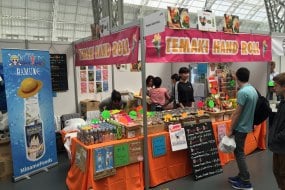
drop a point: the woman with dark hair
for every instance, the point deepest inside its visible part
(174, 79)
(149, 84)
(158, 95)
(184, 93)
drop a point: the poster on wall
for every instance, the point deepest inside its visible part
(178, 18)
(231, 23)
(30, 110)
(93, 79)
(206, 21)
(104, 26)
(136, 67)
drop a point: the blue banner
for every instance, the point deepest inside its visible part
(30, 110)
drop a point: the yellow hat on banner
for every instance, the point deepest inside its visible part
(29, 87)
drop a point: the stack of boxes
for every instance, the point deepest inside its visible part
(88, 105)
(5, 161)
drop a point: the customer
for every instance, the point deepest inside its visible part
(242, 121)
(112, 103)
(276, 137)
(158, 95)
(184, 93)
(272, 74)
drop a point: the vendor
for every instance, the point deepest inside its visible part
(112, 103)
(184, 92)
(149, 84)
(158, 95)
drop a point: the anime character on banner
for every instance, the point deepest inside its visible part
(33, 124)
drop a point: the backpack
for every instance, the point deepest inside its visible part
(262, 109)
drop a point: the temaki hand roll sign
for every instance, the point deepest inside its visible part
(30, 110)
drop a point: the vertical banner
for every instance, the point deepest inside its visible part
(30, 110)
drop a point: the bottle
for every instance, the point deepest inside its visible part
(35, 146)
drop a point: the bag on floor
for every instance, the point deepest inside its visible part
(262, 109)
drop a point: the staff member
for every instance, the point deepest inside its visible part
(114, 102)
(184, 92)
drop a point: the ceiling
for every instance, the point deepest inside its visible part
(69, 20)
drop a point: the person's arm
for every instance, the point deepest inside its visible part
(167, 94)
(103, 104)
(176, 94)
(193, 100)
(234, 118)
(280, 137)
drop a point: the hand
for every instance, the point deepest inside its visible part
(230, 133)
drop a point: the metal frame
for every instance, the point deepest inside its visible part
(276, 15)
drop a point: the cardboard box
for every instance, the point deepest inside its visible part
(88, 105)
(5, 162)
(132, 130)
(5, 150)
(157, 128)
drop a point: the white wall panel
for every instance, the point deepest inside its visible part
(64, 102)
(258, 74)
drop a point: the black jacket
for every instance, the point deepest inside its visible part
(276, 136)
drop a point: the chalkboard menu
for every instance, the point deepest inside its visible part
(58, 72)
(203, 149)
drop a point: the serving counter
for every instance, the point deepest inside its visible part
(169, 166)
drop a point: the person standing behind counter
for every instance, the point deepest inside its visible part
(149, 84)
(114, 102)
(184, 92)
(158, 95)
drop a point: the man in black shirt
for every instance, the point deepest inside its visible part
(184, 93)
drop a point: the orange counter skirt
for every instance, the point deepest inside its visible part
(255, 139)
(128, 177)
(168, 167)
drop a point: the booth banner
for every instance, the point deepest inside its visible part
(30, 110)
(198, 46)
(278, 45)
(118, 48)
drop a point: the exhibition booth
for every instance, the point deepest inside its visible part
(133, 168)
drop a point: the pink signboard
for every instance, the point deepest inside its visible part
(198, 46)
(117, 48)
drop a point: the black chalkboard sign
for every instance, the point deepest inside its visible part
(203, 149)
(58, 72)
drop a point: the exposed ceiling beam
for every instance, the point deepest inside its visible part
(1, 19)
(54, 19)
(26, 21)
(74, 26)
(209, 4)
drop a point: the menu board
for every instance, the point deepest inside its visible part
(58, 72)
(203, 149)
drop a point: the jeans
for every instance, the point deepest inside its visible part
(240, 157)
